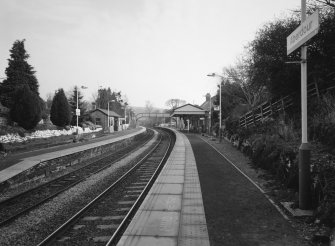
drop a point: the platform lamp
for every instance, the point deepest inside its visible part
(125, 116)
(108, 120)
(77, 109)
(210, 109)
(220, 114)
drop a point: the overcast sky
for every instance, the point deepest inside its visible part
(148, 49)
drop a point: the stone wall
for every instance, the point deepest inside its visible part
(49, 168)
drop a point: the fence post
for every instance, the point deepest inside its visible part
(283, 106)
(271, 110)
(317, 90)
(253, 117)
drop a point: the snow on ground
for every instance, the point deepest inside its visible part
(13, 138)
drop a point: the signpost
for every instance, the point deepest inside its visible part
(303, 33)
(308, 28)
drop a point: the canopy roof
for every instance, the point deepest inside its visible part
(188, 109)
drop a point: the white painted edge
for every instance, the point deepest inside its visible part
(247, 177)
(32, 161)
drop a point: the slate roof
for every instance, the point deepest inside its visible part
(105, 111)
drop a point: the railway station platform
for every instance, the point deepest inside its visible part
(21, 162)
(173, 211)
(202, 198)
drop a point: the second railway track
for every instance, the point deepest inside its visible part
(13, 207)
(102, 221)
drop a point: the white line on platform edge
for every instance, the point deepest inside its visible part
(246, 176)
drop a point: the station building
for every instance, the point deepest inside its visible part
(100, 117)
(191, 118)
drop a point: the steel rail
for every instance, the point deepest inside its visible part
(139, 200)
(50, 239)
(26, 210)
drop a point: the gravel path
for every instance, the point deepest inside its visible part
(237, 213)
(34, 227)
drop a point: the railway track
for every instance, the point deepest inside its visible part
(16, 206)
(103, 220)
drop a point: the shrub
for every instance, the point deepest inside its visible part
(60, 113)
(324, 188)
(26, 110)
(45, 126)
(322, 121)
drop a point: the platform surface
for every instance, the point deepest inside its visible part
(28, 162)
(173, 212)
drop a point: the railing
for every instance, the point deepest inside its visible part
(265, 111)
(269, 108)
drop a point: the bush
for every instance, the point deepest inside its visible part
(324, 132)
(269, 151)
(45, 126)
(324, 188)
(322, 120)
(60, 113)
(89, 124)
(26, 110)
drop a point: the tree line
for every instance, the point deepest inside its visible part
(19, 92)
(264, 71)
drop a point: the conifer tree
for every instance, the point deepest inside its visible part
(18, 73)
(60, 112)
(73, 105)
(27, 108)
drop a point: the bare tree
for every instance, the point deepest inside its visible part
(241, 75)
(174, 103)
(330, 3)
(149, 106)
(95, 96)
(49, 99)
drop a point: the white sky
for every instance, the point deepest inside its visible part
(148, 49)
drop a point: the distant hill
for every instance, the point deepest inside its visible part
(139, 110)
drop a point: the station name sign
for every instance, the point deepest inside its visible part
(303, 33)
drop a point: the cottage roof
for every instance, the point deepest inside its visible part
(105, 111)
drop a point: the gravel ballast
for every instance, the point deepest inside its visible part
(35, 226)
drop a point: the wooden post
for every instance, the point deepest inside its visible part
(283, 106)
(271, 110)
(317, 90)
(253, 117)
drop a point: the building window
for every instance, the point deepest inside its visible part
(98, 121)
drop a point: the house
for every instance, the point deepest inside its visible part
(100, 117)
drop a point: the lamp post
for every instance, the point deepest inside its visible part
(77, 109)
(125, 115)
(209, 112)
(220, 114)
(108, 120)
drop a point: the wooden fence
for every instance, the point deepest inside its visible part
(269, 108)
(265, 111)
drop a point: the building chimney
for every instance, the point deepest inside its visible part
(208, 97)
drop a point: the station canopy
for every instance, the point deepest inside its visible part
(188, 110)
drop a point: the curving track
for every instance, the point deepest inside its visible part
(24, 202)
(102, 221)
